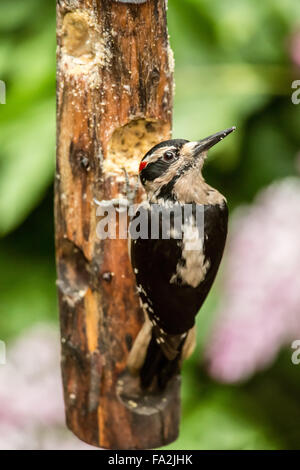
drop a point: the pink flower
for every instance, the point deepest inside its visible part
(32, 409)
(260, 308)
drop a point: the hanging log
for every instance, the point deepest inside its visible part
(114, 102)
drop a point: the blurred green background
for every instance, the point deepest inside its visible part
(234, 66)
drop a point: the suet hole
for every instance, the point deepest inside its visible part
(84, 46)
(152, 402)
(129, 144)
(76, 35)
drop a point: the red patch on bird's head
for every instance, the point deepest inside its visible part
(142, 166)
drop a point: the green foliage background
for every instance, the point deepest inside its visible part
(232, 68)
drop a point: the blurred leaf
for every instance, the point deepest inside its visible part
(28, 293)
(208, 114)
(34, 59)
(14, 14)
(261, 414)
(27, 121)
(26, 162)
(18, 14)
(6, 48)
(212, 419)
(269, 149)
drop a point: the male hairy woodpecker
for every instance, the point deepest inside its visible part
(174, 273)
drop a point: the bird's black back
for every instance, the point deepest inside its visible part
(173, 306)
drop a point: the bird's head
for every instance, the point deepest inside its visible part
(167, 162)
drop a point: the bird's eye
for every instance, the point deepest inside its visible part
(169, 156)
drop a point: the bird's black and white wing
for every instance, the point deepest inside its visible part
(173, 283)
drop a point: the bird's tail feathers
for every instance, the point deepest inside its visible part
(158, 356)
(158, 366)
(138, 351)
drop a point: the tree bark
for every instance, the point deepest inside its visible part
(114, 102)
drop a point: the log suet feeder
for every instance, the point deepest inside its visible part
(114, 102)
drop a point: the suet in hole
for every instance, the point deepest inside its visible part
(84, 46)
(129, 144)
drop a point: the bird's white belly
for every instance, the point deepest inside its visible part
(195, 267)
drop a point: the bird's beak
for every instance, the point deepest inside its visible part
(205, 144)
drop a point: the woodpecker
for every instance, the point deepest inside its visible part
(174, 273)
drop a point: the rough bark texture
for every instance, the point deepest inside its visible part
(114, 101)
